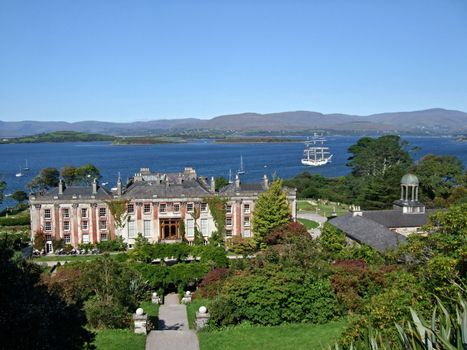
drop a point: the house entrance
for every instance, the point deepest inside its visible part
(170, 229)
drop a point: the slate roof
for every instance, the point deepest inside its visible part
(395, 218)
(150, 189)
(245, 188)
(365, 230)
(79, 192)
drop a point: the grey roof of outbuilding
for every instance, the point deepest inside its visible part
(365, 230)
(396, 218)
(80, 192)
(148, 189)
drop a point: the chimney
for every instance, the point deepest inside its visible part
(355, 210)
(237, 181)
(213, 184)
(119, 185)
(265, 181)
(94, 186)
(60, 187)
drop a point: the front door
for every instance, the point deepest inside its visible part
(170, 229)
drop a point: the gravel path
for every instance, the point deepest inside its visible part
(316, 232)
(173, 331)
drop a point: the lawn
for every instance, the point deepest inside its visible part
(286, 337)
(309, 224)
(116, 339)
(192, 308)
(322, 209)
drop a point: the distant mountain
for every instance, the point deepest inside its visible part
(431, 121)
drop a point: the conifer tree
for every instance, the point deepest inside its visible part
(271, 211)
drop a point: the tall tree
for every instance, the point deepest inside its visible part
(271, 211)
(86, 174)
(438, 176)
(19, 196)
(69, 174)
(374, 157)
(377, 167)
(29, 309)
(47, 178)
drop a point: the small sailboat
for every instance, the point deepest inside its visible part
(241, 171)
(26, 168)
(315, 153)
(19, 174)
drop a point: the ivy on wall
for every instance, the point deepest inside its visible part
(217, 208)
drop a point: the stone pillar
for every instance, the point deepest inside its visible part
(75, 218)
(155, 299)
(140, 320)
(238, 219)
(202, 318)
(186, 298)
(94, 218)
(57, 227)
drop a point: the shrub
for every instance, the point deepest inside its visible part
(240, 245)
(214, 256)
(106, 314)
(19, 221)
(271, 297)
(115, 245)
(287, 232)
(212, 283)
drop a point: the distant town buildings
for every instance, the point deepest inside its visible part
(160, 206)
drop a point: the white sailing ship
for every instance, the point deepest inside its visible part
(315, 153)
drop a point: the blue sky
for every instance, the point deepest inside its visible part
(142, 60)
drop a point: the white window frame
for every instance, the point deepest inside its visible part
(163, 208)
(67, 238)
(147, 206)
(190, 207)
(190, 227)
(65, 224)
(66, 213)
(85, 211)
(47, 213)
(131, 208)
(204, 207)
(131, 229)
(246, 208)
(102, 209)
(176, 207)
(104, 226)
(204, 227)
(48, 226)
(147, 229)
(84, 225)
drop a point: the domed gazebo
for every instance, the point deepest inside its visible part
(409, 187)
(409, 195)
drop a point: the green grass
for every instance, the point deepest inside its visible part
(192, 308)
(286, 337)
(309, 224)
(116, 339)
(322, 209)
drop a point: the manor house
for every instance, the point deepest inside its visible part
(160, 206)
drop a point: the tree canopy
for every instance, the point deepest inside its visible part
(271, 211)
(83, 175)
(46, 179)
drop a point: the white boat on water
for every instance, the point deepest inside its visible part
(241, 171)
(315, 153)
(19, 174)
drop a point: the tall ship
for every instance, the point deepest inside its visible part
(315, 153)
